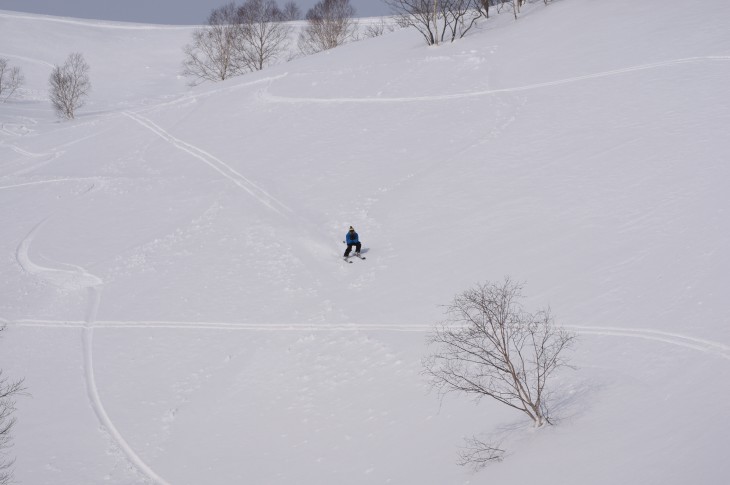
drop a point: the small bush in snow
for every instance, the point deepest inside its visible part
(378, 29)
(11, 78)
(8, 391)
(477, 453)
(69, 85)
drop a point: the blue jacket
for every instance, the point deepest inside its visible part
(352, 238)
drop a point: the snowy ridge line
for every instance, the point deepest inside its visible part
(104, 24)
(215, 163)
(78, 279)
(703, 345)
(446, 97)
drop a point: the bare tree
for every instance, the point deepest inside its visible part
(417, 14)
(437, 19)
(69, 85)
(459, 16)
(264, 35)
(491, 347)
(8, 390)
(215, 54)
(11, 78)
(330, 23)
(292, 11)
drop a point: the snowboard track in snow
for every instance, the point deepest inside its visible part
(702, 345)
(77, 279)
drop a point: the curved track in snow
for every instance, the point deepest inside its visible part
(77, 279)
(528, 87)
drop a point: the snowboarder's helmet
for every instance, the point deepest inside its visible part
(352, 228)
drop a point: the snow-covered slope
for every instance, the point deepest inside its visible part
(171, 275)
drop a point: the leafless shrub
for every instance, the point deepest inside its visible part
(264, 35)
(330, 23)
(514, 5)
(8, 391)
(483, 6)
(420, 14)
(292, 11)
(11, 78)
(381, 27)
(69, 85)
(477, 454)
(491, 347)
(215, 54)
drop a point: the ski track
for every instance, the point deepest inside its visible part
(52, 181)
(75, 279)
(44, 158)
(192, 98)
(702, 345)
(26, 153)
(27, 59)
(284, 99)
(215, 163)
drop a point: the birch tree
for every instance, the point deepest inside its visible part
(264, 33)
(491, 347)
(330, 23)
(69, 86)
(215, 53)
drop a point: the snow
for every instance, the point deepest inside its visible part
(172, 283)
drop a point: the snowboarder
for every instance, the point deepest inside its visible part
(352, 239)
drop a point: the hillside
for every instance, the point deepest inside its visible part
(172, 281)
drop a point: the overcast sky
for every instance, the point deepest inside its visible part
(156, 11)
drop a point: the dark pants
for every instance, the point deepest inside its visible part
(349, 248)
